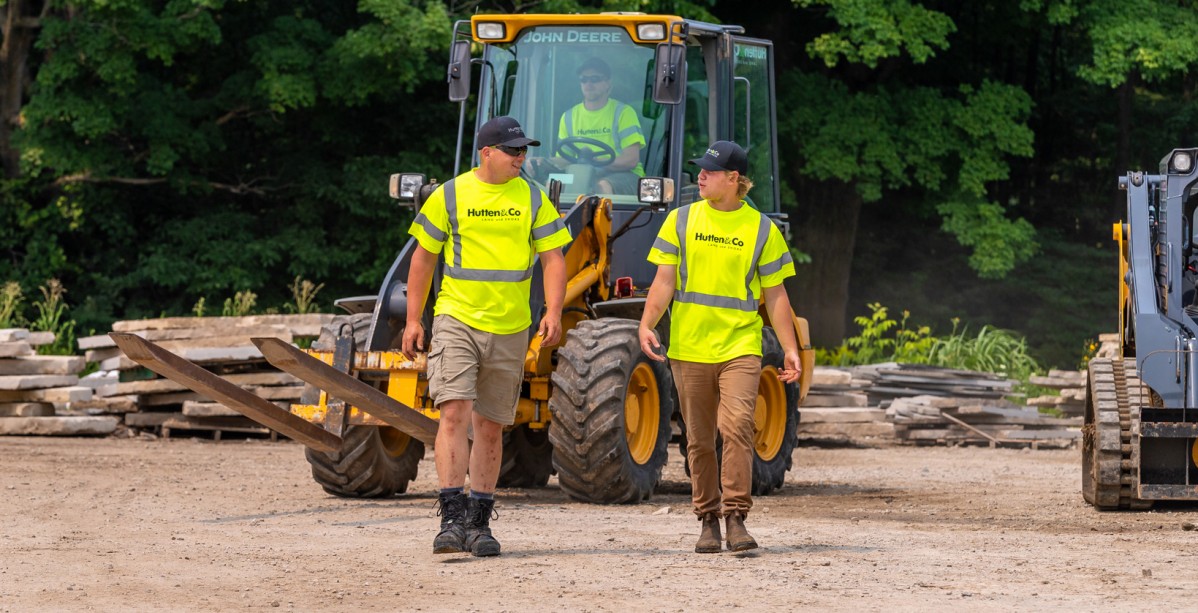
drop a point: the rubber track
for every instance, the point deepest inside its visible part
(1117, 395)
(590, 451)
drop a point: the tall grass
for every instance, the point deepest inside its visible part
(990, 350)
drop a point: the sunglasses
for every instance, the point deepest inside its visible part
(512, 151)
(594, 78)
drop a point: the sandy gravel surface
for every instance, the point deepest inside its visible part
(116, 525)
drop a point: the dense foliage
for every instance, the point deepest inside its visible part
(958, 159)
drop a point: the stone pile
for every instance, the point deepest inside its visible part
(221, 345)
(37, 391)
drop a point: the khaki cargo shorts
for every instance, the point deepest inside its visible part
(469, 364)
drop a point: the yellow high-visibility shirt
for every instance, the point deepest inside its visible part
(490, 236)
(725, 261)
(614, 125)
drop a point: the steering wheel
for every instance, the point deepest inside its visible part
(571, 150)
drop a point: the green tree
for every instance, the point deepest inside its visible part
(871, 120)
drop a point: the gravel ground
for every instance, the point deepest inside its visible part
(106, 524)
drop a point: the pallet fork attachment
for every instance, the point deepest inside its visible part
(204, 382)
(396, 414)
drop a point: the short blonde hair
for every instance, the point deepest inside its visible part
(743, 185)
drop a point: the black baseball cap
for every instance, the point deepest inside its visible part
(724, 155)
(597, 65)
(503, 130)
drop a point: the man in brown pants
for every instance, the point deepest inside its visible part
(715, 332)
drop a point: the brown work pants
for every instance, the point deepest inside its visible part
(719, 398)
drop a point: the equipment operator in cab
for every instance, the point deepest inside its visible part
(715, 259)
(612, 123)
(491, 225)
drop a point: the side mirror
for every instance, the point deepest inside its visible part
(669, 86)
(459, 71)
(657, 192)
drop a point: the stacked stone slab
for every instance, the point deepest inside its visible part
(1070, 399)
(219, 344)
(36, 389)
(837, 410)
(931, 420)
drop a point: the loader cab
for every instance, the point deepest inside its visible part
(529, 68)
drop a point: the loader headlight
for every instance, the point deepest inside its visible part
(491, 30)
(657, 191)
(651, 31)
(405, 187)
(1183, 161)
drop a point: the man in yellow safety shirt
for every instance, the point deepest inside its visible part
(715, 259)
(610, 122)
(491, 225)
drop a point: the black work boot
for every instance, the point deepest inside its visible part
(739, 538)
(709, 535)
(452, 537)
(478, 528)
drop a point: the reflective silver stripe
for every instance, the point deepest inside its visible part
(628, 132)
(570, 122)
(482, 274)
(451, 209)
(615, 127)
(680, 226)
(775, 266)
(723, 302)
(534, 200)
(763, 232)
(664, 246)
(548, 229)
(432, 230)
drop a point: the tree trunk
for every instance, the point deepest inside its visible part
(20, 20)
(825, 229)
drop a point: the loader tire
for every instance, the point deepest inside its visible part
(374, 462)
(611, 409)
(775, 422)
(527, 458)
(1114, 397)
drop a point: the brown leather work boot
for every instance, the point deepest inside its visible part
(709, 537)
(739, 538)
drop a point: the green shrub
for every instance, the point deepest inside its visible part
(240, 305)
(881, 339)
(10, 305)
(52, 310)
(990, 350)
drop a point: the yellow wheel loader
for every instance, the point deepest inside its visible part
(593, 409)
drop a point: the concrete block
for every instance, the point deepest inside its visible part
(59, 426)
(100, 341)
(38, 339)
(43, 365)
(26, 409)
(8, 335)
(56, 395)
(28, 382)
(15, 349)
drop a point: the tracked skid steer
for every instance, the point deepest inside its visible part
(1140, 437)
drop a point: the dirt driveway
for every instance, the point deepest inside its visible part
(191, 525)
